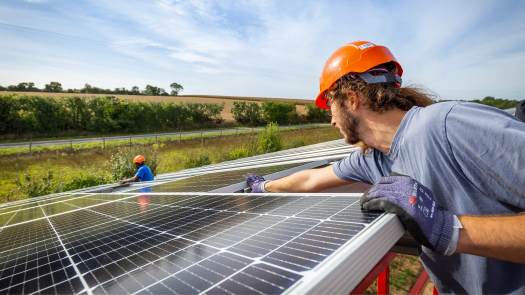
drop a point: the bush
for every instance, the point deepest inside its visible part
(121, 163)
(204, 112)
(198, 161)
(270, 140)
(246, 112)
(317, 114)
(277, 112)
(34, 185)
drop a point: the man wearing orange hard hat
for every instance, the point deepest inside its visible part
(143, 171)
(452, 172)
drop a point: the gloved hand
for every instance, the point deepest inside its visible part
(257, 182)
(414, 204)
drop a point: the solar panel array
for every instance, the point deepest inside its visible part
(176, 241)
(186, 244)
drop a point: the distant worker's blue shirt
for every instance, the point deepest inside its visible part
(472, 157)
(144, 173)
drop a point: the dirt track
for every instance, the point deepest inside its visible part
(228, 100)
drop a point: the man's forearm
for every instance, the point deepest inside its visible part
(306, 181)
(498, 237)
(295, 183)
(132, 179)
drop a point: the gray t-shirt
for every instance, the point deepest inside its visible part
(472, 157)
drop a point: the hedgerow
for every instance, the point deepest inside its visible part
(43, 115)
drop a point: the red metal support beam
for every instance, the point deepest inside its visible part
(383, 282)
(435, 291)
(420, 283)
(375, 273)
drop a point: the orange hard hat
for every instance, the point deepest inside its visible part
(355, 57)
(139, 159)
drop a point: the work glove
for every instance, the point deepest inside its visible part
(257, 182)
(415, 205)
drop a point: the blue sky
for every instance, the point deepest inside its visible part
(458, 49)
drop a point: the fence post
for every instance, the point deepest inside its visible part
(237, 130)
(155, 137)
(30, 144)
(180, 135)
(289, 126)
(221, 131)
(309, 125)
(252, 129)
(103, 142)
(130, 140)
(201, 134)
(71, 143)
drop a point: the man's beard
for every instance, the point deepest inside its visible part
(349, 126)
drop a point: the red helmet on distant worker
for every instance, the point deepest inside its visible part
(356, 57)
(139, 159)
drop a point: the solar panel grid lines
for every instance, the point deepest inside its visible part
(99, 269)
(345, 269)
(5, 218)
(31, 206)
(24, 219)
(84, 283)
(35, 265)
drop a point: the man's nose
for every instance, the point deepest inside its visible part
(333, 121)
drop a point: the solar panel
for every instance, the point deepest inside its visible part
(213, 181)
(176, 242)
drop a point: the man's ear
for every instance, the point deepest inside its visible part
(353, 100)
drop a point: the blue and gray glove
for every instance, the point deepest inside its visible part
(415, 205)
(257, 182)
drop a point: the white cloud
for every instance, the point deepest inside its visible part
(210, 70)
(192, 57)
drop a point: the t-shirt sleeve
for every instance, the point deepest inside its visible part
(367, 169)
(141, 172)
(489, 145)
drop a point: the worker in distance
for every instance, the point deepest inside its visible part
(453, 171)
(143, 171)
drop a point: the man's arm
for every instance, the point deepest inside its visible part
(307, 181)
(132, 179)
(498, 237)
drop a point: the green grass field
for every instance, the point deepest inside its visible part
(66, 164)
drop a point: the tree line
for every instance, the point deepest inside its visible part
(89, 89)
(499, 103)
(48, 116)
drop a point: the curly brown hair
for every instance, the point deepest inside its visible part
(380, 97)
